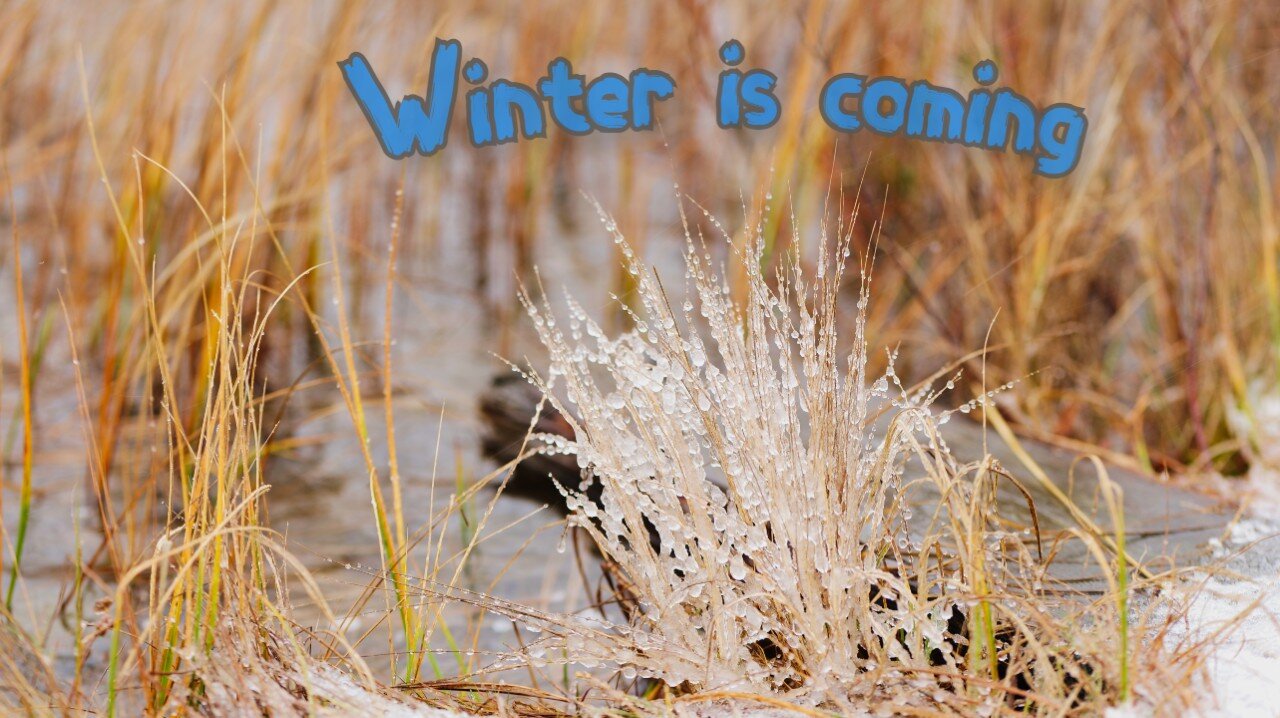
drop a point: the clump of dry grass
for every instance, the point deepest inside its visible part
(761, 529)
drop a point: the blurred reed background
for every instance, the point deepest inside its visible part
(1138, 297)
(171, 169)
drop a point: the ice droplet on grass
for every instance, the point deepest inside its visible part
(742, 496)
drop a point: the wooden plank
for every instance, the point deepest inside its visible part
(1165, 525)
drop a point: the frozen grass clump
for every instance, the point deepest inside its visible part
(760, 530)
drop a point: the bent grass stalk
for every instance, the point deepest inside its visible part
(347, 380)
(1113, 498)
(28, 430)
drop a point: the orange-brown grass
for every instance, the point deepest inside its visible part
(1139, 297)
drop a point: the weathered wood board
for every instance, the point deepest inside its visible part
(1165, 526)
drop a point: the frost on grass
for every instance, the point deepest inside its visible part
(758, 527)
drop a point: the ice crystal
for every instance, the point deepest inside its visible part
(747, 501)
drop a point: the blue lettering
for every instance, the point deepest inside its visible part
(831, 102)
(412, 122)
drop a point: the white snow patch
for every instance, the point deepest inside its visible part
(1262, 490)
(345, 696)
(1127, 710)
(1237, 621)
(1259, 430)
